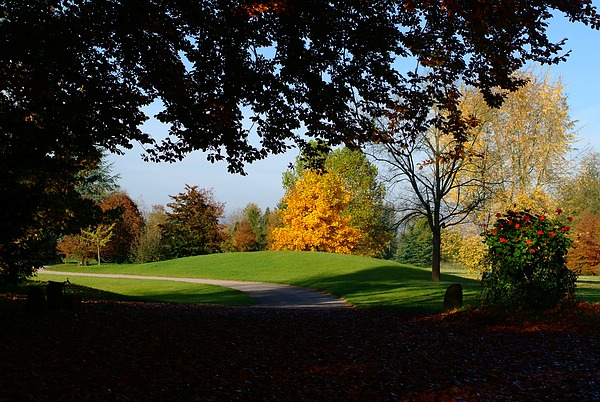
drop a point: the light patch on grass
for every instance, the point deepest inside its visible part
(161, 291)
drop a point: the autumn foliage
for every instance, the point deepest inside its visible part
(584, 257)
(244, 238)
(75, 247)
(122, 212)
(314, 218)
(88, 244)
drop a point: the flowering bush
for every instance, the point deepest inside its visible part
(527, 259)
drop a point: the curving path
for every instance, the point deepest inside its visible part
(265, 295)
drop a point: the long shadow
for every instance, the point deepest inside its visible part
(390, 286)
(225, 297)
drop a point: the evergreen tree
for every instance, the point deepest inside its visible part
(416, 244)
(193, 228)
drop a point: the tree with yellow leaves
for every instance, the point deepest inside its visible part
(526, 144)
(98, 237)
(367, 207)
(525, 147)
(314, 218)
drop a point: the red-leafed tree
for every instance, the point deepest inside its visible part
(76, 247)
(584, 256)
(122, 212)
(244, 238)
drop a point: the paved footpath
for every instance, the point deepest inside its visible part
(264, 295)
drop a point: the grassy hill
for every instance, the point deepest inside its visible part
(364, 282)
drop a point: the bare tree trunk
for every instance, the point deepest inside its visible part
(436, 258)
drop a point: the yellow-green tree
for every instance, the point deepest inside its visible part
(580, 193)
(526, 144)
(98, 237)
(367, 205)
(314, 217)
(88, 242)
(149, 246)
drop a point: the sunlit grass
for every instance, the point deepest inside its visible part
(588, 289)
(364, 282)
(152, 290)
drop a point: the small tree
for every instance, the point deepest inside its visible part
(527, 260)
(98, 237)
(75, 247)
(246, 229)
(149, 245)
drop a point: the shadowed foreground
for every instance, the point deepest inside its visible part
(157, 352)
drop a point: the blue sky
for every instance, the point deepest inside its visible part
(152, 183)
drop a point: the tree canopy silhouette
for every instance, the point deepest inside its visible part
(79, 73)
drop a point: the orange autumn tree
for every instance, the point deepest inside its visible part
(314, 219)
(584, 257)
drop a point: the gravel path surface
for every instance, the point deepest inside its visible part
(265, 295)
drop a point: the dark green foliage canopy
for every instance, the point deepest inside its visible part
(416, 244)
(192, 228)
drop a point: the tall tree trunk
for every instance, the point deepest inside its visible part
(436, 258)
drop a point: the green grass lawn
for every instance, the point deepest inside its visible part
(588, 289)
(364, 282)
(152, 290)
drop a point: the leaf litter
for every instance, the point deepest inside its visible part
(131, 351)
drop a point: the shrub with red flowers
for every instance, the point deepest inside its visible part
(527, 261)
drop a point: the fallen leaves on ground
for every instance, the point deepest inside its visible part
(157, 352)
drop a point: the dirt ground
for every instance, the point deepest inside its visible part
(167, 352)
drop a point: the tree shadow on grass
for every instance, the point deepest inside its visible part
(405, 288)
(221, 297)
